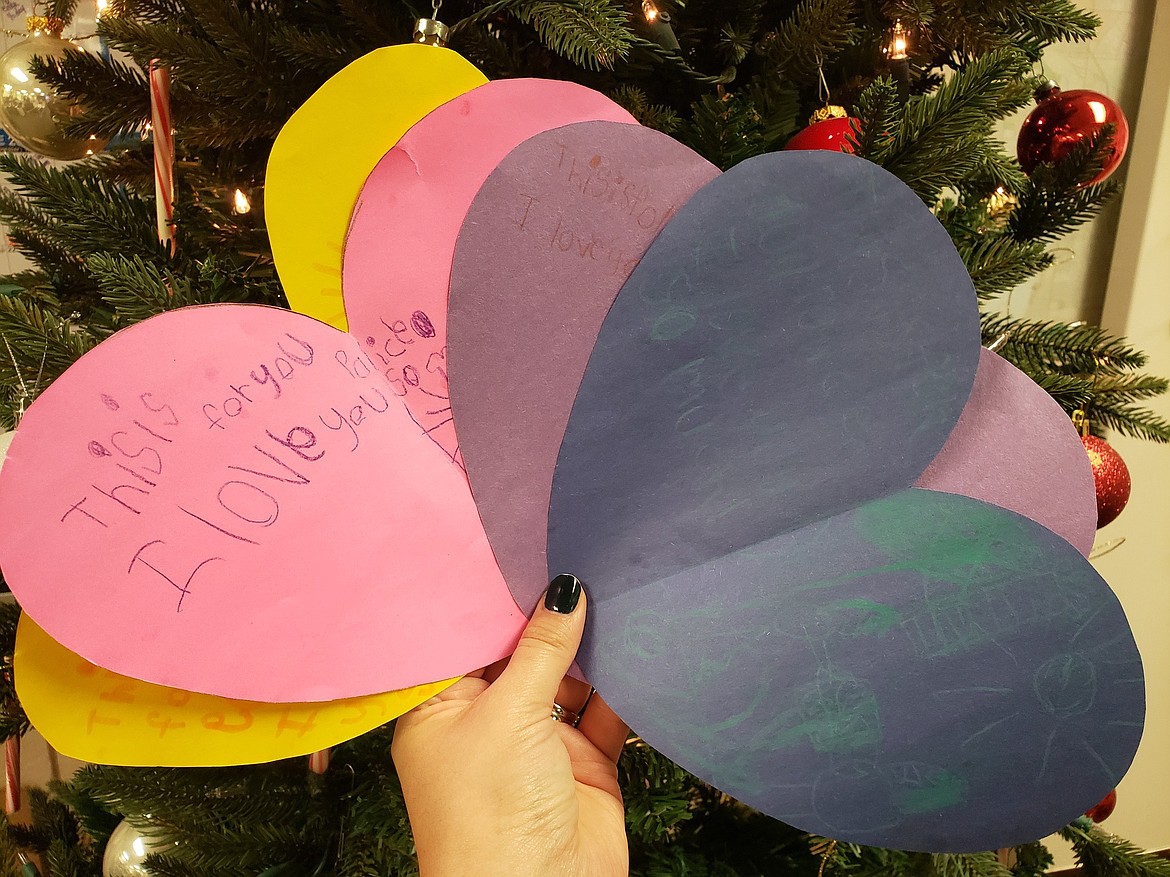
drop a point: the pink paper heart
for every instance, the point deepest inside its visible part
(407, 219)
(1014, 447)
(231, 499)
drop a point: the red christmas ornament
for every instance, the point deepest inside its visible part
(1101, 810)
(829, 128)
(1062, 119)
(1110, 476)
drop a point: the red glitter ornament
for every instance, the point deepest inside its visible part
(1062, 119)
(1101, 810)
(1111, 477)
(830, 128)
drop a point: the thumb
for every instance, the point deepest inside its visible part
(546, 649)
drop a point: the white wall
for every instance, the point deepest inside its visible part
(1137, 304)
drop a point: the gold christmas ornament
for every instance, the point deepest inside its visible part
(431, 32)
(45, 23)
(828, 111)
(31, 112)
(1000, 205)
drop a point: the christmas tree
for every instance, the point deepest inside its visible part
(922, 84)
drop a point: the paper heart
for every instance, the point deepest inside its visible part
(97, 715)
(589, 198)
(784, 362)
(547, 243)
(773, 604)
(925, 672)
(434, 194)
(231, 500)
(369, 103)
(1014, 447)
(407, 219)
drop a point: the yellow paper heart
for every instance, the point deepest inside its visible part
(101, 716)
(324, 153)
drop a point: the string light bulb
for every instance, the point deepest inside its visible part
(899, 45)
(658, 25)
(240, 202)
(102, 6)
(897, 52)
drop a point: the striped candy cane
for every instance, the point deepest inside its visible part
(319, 761)
(12, 774)
(164, 152)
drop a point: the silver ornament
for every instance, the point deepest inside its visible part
(125, 852)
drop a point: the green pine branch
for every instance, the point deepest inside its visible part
(54, 830)
(590, 33)
(1032, 860)
(650, 784)
(322, 52)
(13, 720)
(1061, 197)
(152, 11)
(90, 215)
(138, 290)
(9, 856)
(95, 823)
(634, 100)
(940, 138)
(737, 38)
(1070, 391)
(725, 131)
(811, 37)
(994, 169)
(1051, 21)
(1100, 853)
(231, 85)
(1083, 366)
(1123, 389)
(878, 112)
(497, 54)
(35, 349)
(962, 865)
(1048, 214)
(998, 264)
(62, 9)
(1046, 345)
(777, 101)
(114, 95)
(377, 24)
(45, 243)
(1127, 419)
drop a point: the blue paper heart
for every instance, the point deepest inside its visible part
(773, 607)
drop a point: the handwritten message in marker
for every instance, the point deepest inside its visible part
(101, 716)
(233, 500)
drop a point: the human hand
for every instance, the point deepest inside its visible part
(495, 787)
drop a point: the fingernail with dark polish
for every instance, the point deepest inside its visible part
(564, 592)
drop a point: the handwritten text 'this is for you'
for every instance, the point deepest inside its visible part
(242, 500)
